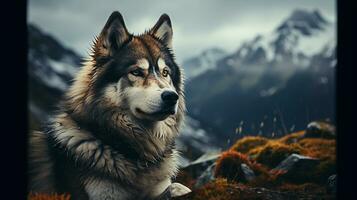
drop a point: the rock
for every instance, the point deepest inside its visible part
(295, 167)
(317, 129)
(177, 189)
(331, 186)
(206, 176)
(248, 173)
(207, 157)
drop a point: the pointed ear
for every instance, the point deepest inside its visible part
(113, 35)
(163, 30)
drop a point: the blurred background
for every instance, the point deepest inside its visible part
(256, 67)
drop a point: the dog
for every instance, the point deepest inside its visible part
(113, 134)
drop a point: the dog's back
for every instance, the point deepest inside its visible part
(49, 170)
(41, 174)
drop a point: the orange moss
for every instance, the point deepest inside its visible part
(305, 188)
(216, 190)
(272, 153)
(229, 166)
(221, 189)
(276, 150)
(261, 154)
(322, 149)
(229, 163)
(292, 138)
(247, 143)
(42, 196)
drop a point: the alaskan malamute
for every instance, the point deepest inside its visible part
(113, 136)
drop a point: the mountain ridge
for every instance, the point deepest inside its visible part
(247, 82)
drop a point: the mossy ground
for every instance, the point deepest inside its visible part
(263, 154)
(222, 189)
(247, 143)
(229, 166)
(39, 196)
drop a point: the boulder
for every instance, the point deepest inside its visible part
(317, 129)
(206, 176)
(248, 172)
(295, 167)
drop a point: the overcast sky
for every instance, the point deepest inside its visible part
(197, 24)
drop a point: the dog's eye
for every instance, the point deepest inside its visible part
(165, 73)
(136, 72)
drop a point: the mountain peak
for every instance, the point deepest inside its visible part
(300, 14)
(304, 21)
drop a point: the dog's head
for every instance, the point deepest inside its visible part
(136, 73)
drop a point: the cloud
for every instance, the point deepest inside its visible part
(198, 24)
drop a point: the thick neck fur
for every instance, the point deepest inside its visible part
(89, 123)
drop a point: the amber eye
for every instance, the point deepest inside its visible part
(165, 72)
(137, 72)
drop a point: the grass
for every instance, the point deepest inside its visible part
(41, 196)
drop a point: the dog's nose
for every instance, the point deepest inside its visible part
(169, 97)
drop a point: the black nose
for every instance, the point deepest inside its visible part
(169, 97)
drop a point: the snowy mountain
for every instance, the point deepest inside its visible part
(203, 62)
(272, 83)
(50, 70)
(300, 36)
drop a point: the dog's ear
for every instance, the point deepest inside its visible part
(113, 35)
(163, 30)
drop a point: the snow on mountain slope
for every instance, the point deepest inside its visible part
(51, 67)
(49, 62)
(305, 32)
(299, 37)
(203, 62)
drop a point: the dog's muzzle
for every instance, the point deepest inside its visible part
(169, 99)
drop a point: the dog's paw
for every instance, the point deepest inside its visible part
(177, 189)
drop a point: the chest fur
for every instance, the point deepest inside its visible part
(149, 182)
